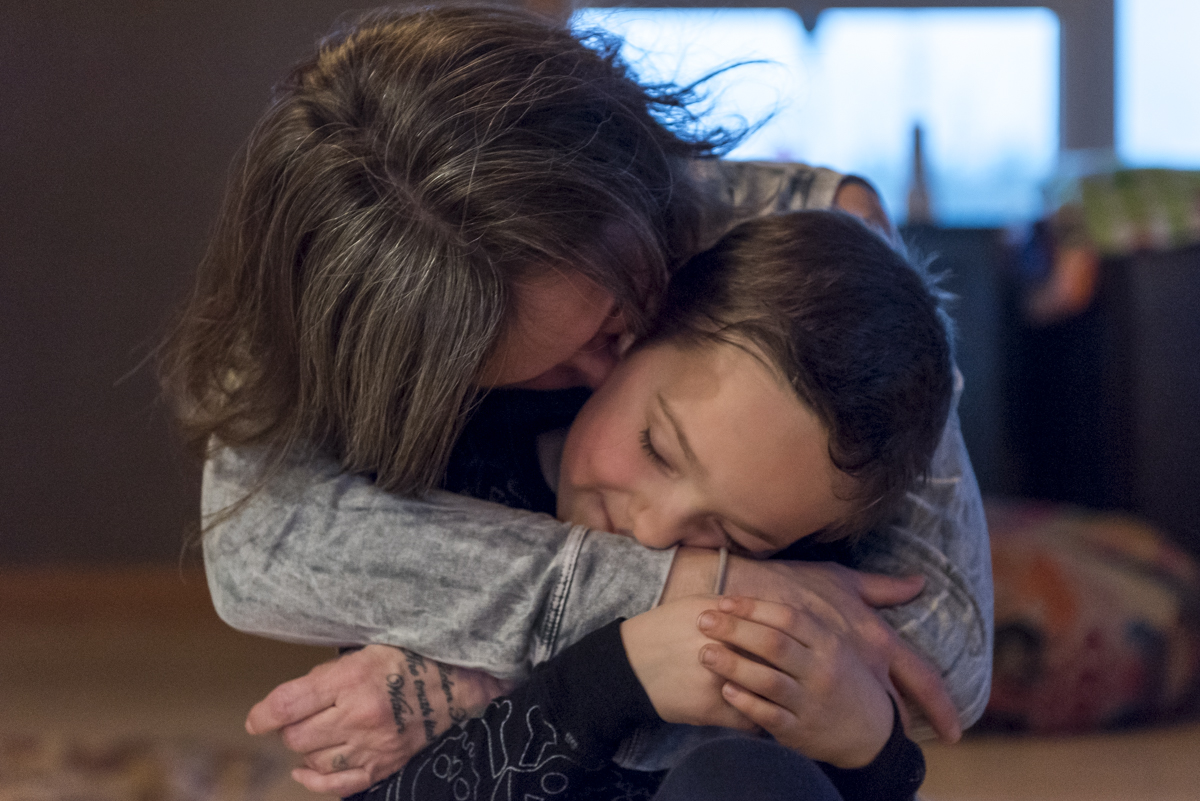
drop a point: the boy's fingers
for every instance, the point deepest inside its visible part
(763, 627)
(763, 680)
(765, 714)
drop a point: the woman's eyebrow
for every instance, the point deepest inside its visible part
(683, 440)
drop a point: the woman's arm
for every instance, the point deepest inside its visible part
(554, 735)
(322, 557)
(943, 537)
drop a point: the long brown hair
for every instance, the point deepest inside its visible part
(398, 183)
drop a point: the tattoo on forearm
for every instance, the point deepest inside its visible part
(426, 709)
(416, 662)
(446, 674)
(400, 705)
(417, 669)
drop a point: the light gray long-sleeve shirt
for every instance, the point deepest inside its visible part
(320, 556)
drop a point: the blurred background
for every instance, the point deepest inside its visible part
(120, 119)
(1047, 155)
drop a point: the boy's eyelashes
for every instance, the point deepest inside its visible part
(648, 447)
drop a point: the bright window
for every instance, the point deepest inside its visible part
(1158, 83)
(982, 83)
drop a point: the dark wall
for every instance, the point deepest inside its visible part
(117, 123)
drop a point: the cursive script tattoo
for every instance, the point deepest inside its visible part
(400, 705)
(446, 674)
(426, 709)
(416, 662)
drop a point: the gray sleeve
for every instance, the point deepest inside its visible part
(318, 556)
(943, 535)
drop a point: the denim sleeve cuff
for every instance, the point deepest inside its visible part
(604, 576)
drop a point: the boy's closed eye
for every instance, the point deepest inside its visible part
(702, 446)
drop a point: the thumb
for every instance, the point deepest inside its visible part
(879, 590)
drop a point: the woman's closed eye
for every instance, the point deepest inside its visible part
(648, 447)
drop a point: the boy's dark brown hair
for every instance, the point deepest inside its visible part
(848, 322)
(399, 182)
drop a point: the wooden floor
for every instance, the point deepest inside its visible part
(140, 651)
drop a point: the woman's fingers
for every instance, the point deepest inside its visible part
(341, 784)
(314, 733)
(917, 680)
(342, 770)
(293, 701)
(334, 759)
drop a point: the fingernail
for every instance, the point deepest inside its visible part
(708, 655)
(707, 620)
(728, 690)
(726, 605)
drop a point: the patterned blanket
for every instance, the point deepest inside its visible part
(1097, 621)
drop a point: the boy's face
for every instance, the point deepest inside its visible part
(700, 446)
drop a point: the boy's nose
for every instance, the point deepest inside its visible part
(658, 527)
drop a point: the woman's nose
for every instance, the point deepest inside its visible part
(596, 359)
(594, 363)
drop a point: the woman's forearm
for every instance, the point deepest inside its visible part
(322, 557)
(555, 734)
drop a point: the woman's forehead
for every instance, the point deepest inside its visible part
(555, 313)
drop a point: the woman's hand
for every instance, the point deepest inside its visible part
(361, 717)
(805, 684)
(662, 647)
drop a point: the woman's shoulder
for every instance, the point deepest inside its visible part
(765, 187)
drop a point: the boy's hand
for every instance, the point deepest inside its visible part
(855, 595)
(361, 717)
(811, 691)
(661, 646)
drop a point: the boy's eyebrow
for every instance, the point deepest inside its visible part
(683, 440)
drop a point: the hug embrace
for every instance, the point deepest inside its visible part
(635, 472)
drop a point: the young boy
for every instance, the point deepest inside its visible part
(794, 385)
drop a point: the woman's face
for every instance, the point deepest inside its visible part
(566, 332)
(700, 446)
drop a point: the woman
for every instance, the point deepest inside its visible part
(507, 204)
